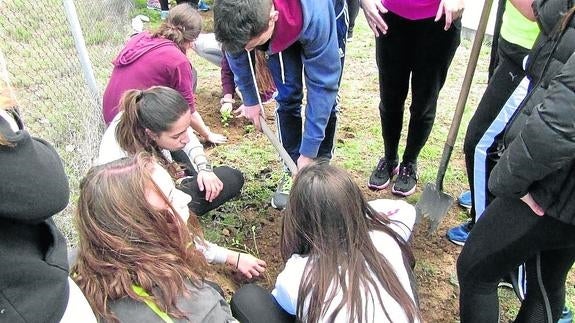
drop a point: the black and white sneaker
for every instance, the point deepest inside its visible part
(406, 180)
(281, 195)
(382, 174)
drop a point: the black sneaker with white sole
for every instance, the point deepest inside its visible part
(406, 179)
(382, 174)
(281, 195)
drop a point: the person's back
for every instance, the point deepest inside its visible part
(205, 305)
(147, 61)
(34, 283)
(346, 260)
(286, 292)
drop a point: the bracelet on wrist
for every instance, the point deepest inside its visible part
(206, 167)
(238, 261)
(227, 100)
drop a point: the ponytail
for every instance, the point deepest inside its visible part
(264, 78)
(131, 136)
(155, 109)
(567, 19)
(183, 25)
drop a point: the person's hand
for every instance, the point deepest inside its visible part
(536, 208)
(251, 112)
(226, 108)
(227, 103)
(248, 265)
(216, 138)
(210, 183)
(372, 9)
(303, 161)
(453, 9)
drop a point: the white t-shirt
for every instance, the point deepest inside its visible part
(288, 281)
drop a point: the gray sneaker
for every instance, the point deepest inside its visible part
(281, 195)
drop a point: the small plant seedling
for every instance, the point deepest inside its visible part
(226, 118)
(249, 128)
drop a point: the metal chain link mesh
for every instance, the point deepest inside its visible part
(47, 76)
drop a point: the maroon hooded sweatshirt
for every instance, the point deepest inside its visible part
(144, 62)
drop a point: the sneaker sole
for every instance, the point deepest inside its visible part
(467, 207)
(404, 194)
(504, 284)
(378, 188)
(275, 206)
(459, 243)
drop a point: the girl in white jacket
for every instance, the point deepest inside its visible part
(347, 259)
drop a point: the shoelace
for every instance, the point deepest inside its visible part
(381, 165)
(405, 172)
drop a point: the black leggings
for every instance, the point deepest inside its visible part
(420, 51)
(232, 179)
(253, 304)
(508, 235)
(353, 9)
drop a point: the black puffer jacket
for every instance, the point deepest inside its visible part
(539, 141)
(33, 262)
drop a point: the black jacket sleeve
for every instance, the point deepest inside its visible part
(549, 12)
(545, 144)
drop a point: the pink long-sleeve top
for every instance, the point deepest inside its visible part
(412, 9)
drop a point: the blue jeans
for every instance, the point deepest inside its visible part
(290, 92)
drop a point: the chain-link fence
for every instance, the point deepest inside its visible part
(47, 62)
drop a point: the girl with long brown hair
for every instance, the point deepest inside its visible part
(156, 120)
(136, 260)
(347, 259)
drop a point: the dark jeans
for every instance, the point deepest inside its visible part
(508, 235)
(290, 94)
(253, 304)
(507, 75)
(422, 50)
(232, 179)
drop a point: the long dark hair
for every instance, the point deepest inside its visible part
(328, 219)
(125, 242)
(155, 109)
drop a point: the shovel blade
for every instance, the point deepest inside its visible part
(433, 204)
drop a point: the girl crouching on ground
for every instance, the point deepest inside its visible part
(347, 259)
(135, 261)
(157, 121)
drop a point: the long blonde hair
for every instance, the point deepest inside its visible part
(124, 242)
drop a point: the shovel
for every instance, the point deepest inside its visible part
(434, 203)
(277, 145)
(266, 130)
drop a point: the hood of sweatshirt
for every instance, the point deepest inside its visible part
(34, 186)
(288, 26)
(138, 46)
